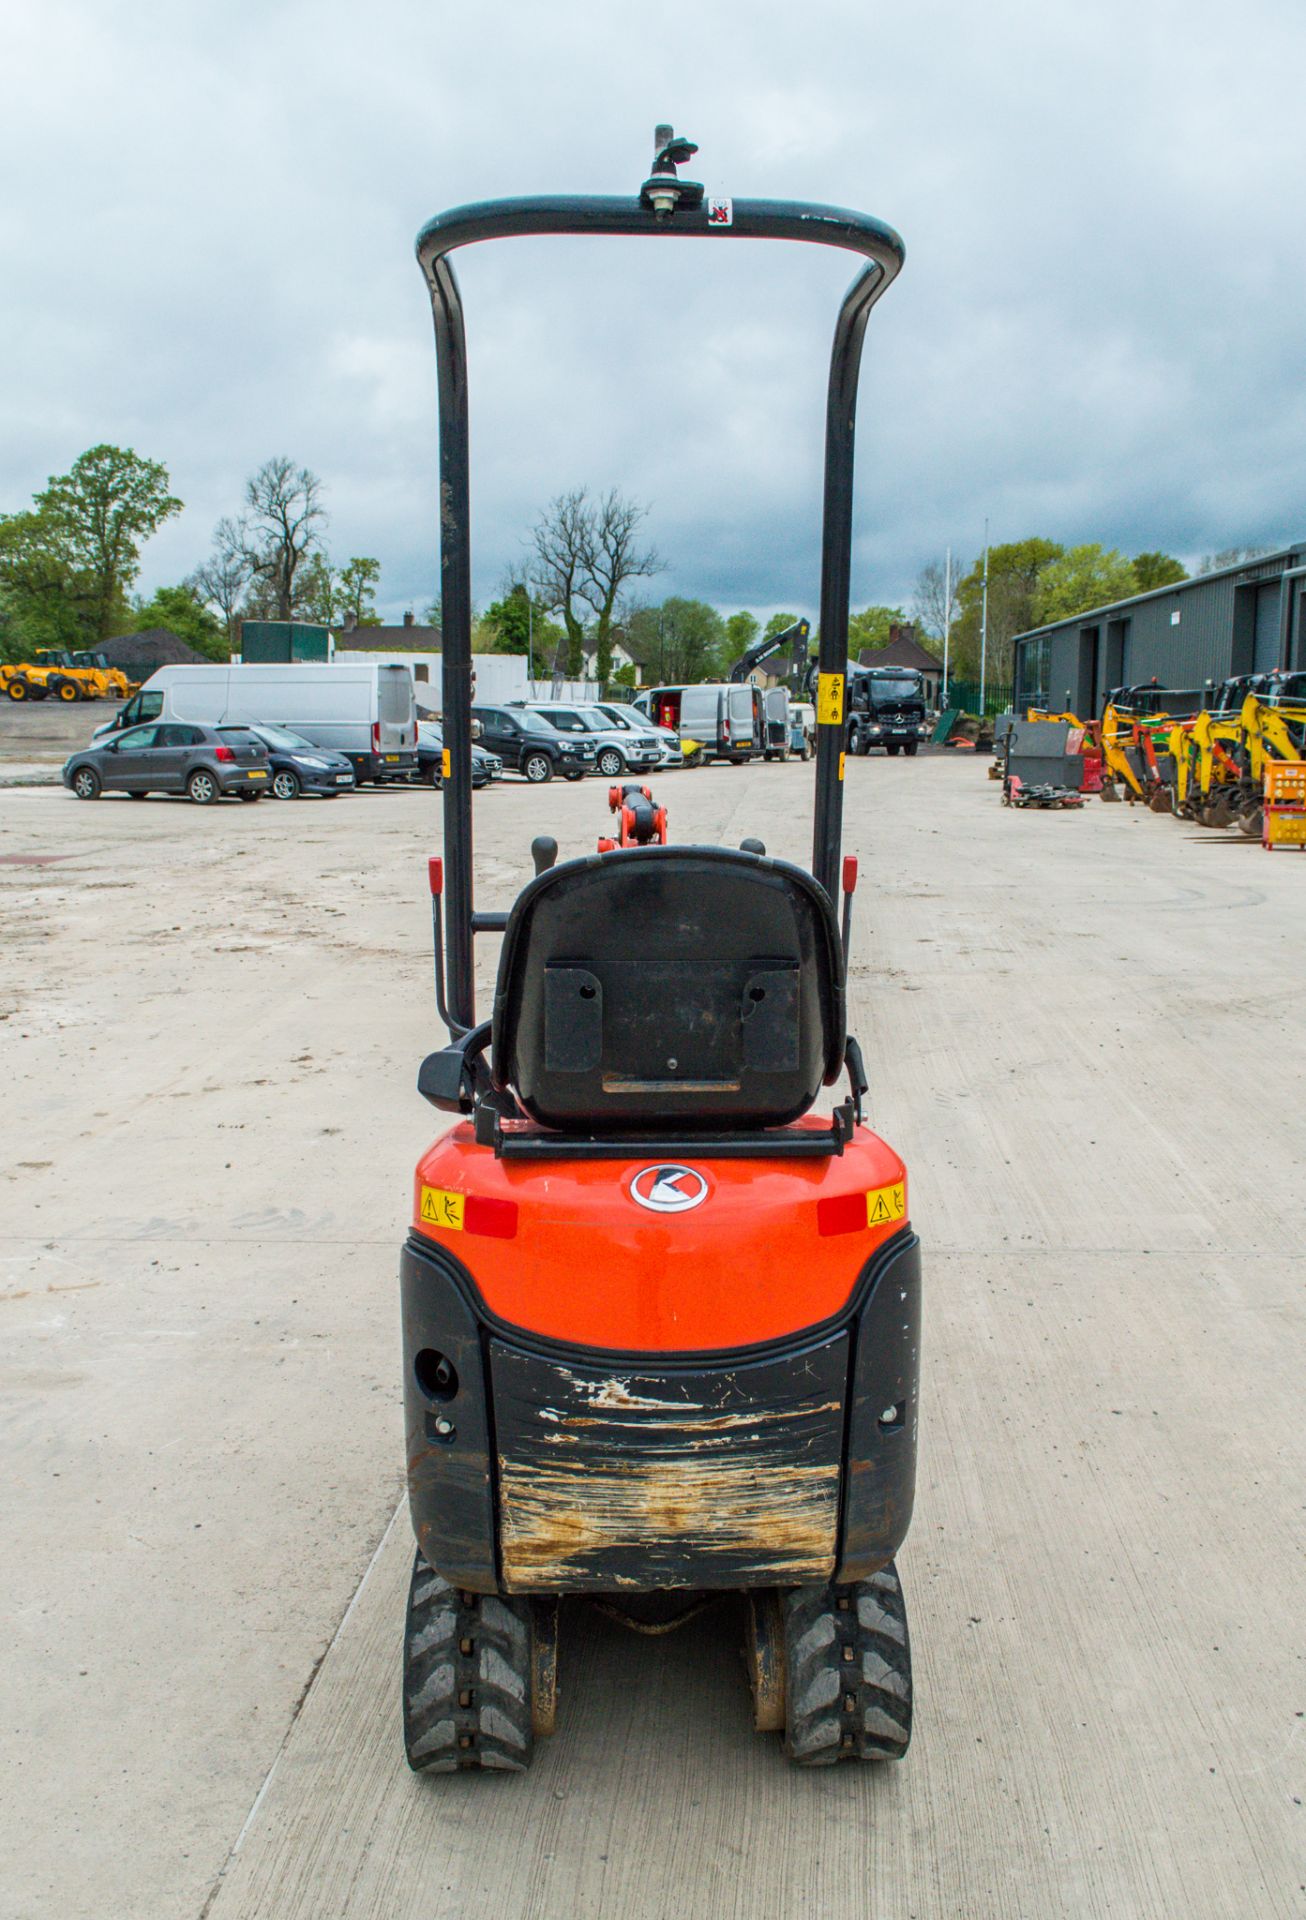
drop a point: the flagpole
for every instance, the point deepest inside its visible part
(984, 621)
(947, 625)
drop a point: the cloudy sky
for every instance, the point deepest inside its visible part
(206, 253)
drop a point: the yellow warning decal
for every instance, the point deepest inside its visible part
(446, 765)
(443, 1209)
(886, 1204)
(842, 758)
(829, 700)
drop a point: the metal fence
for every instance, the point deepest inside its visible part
(966, 694)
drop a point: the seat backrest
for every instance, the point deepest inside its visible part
(669, 988)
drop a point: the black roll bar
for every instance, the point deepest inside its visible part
(700, 219)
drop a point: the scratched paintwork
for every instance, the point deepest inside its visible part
(716, 1477)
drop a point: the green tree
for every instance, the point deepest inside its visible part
(777, 624)
(182, 610)
(625, 676)
(317, 591)
(1014, 571)
(45, 600)
(691, 640)
(1156, 570)
(870, 628)
(742, 630)
(104, 509)
(356, 586)
(1082, 577)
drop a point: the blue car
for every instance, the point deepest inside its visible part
(298, 767)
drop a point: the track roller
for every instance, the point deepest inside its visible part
(479, 1677)
(848, 1678)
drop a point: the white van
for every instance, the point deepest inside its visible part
(725, 719)
(364, 709)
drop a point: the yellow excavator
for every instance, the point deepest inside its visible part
(1270, 733)
(1208, 776)
(1129, 755)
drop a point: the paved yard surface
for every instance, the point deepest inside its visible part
(1085, 1033)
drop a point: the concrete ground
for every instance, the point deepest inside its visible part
(1086, 1034)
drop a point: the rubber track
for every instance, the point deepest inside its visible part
(849, 1667)
(467, 1690)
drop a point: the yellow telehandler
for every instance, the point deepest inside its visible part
(47, 675)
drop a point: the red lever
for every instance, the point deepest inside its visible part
(850, 873)
(435, 872)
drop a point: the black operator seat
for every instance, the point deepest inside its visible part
(669, 988)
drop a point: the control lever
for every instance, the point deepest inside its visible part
(753, 846)
(544, 852)
(849, 889)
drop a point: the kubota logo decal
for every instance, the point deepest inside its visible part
(668, 1189)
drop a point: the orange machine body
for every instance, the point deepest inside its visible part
(564, 1250)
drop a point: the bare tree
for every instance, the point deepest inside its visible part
(560, 537)
(221, 581)
(584, 552)
(611, 558)
(930, 600)
(283, 521)
(1230, 556)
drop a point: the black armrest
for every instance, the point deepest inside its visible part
(452, 1078)
(852, 1059)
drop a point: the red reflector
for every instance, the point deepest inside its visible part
(850, 873)
(376, 736)
(845, 1214)
(435, 872)
(223, 753)
(497, 1219)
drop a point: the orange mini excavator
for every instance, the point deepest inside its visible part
(660, 1319)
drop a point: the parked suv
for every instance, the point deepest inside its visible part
(622, 747)
(631, 720)
(521, 737)
(172, 757)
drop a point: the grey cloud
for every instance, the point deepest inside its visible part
(1098, 334)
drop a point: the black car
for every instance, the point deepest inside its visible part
(523, 739)
(430, 758)
(300, 767)
(172, 756)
